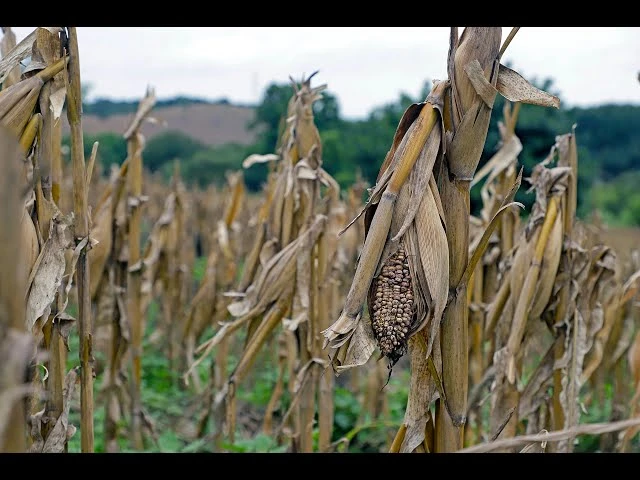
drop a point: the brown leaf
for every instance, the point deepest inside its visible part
(257, 158)
(58, 436)
(515, 88)
(144, 107)
(422, 391)
(48, 273)
(20, 52)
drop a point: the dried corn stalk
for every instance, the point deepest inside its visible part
(47, 51)
(500, 172)
(7, 44)
(50, 264)
(533, 271)
(434, 155)
(17, 345)
(112, 303)
(135, 145)
(209, 305)
(286, 269)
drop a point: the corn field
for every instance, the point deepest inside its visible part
(450, 332)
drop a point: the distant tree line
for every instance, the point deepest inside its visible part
(608, 139)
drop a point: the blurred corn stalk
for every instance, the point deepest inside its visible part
(164, 265)
(17, 345)
(135, 265)
(500, 171)
(543, 265)
(57, 324)
(7, 44)
(632, 358)
(285, 273)
(31, 109)
(110, 298)
(209, 305)
(81, 178)
(414, 269)
(614, 356)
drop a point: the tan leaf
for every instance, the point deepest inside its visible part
(257, 158)
(422, 391)
(48, 273)
(57, 438)
(56, 100)
(361, 347)
(515, 88)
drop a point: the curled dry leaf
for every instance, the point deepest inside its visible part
(48, 273)
(257, 158)
(57, 100)
(20, 52)
(62, 430)
(515, 88)
(7, 44)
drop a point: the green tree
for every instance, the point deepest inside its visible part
(166, 147)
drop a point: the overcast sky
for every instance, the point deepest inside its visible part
(364, 67)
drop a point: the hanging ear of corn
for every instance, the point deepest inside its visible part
(403, 267)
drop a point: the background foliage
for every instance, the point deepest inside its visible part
(608, 138)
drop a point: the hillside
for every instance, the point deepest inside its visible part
(210, 123)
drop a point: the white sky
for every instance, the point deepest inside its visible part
(364, 67)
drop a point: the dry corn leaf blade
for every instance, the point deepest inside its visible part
(626, 337)
(499, 162)
(434, 260)
(515, 88)
(57, 438)
(272, 279)
(144, 107)
(16, 353)
(483, 88)
(258, 158)
(420, 178)
(56, 100)
(588, 429)
(64, 323)
(34, 66)
(422, 392)
(17, 116)
(7, 44)
(279, 271)
(405, 126)
(99, 254)
(75, 255)
(361, 347)
(536, 447)
(48, 276)
(575, 350)
(36, 432)
(480, 245)
(469, 139)
(11, 96)
(534, 392)
(29, 249)
(16, 55)
(549, 268)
